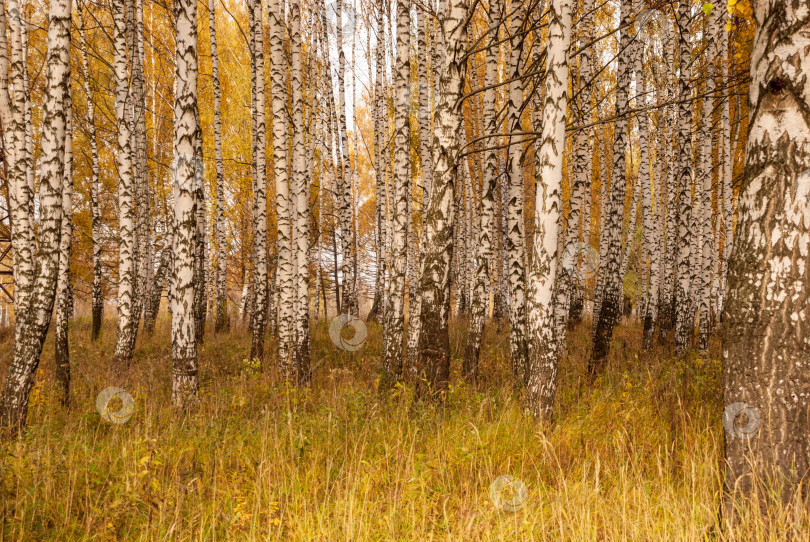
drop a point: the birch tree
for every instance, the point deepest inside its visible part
(542, 343)
(64, 290)
(301, 350)
(184, 344)
(395, 310)
(609, 297)
(515, 240)
(486, 231)
(260, 189)
(765, 320)
(32, 322)
(127, 245)
(97, 300)
(433, 368)
(222, 321)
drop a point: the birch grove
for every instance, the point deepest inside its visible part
(426, 199)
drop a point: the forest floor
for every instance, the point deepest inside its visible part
(637, 456)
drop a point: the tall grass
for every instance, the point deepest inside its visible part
(637, 456)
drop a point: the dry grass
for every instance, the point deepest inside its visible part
(636, 457)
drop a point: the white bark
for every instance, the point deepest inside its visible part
(542, 343)
(184, 345)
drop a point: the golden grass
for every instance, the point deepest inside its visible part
(636, 457)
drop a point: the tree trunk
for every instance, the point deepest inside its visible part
(185, 382)
(395, 312)
(683, 315)
(222, 323)
(95, 189)
(542, 343)
(483, 258)
(610, 297)
(301, 348)
(64, 290)
(433, 368)
(515, 240)
(766, 370)
(285, 269)
(259, 320)
(31, 323)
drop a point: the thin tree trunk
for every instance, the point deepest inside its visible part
(64, 290)
(392, 362)
(260, 196)
(95, 189)
(222, 323)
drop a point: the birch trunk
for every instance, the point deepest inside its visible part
(259, 320)
(31, 324)
(483, 258)
(184, 345)
(301, 349)
(349, 302)
(222, 322)
(609, 299)
(684, 175)
(765, 322)
(127, 246)
(395, 312)
(542, 343)
(515, 240)
(97, 302)
(285, 271)
(64, 290)
(433, 369)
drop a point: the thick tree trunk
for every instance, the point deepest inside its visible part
(285, 270)
(515, 240)
(684, 317)
(542, 342)
(301, 348)
(127, 245)
(433, 369)
(31, 324)
(766, 370)
(185, 382)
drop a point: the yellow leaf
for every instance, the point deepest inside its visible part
(707, 7)
(728, 26)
